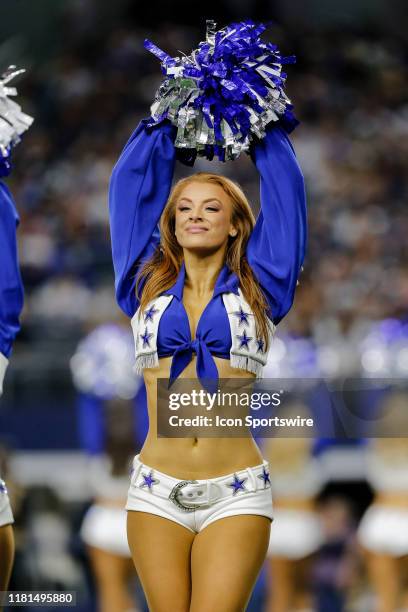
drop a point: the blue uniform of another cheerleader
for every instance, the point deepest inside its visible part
(11, 304)
(11, 287)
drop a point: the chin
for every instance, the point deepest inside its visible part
(197, 241)
(201, 242)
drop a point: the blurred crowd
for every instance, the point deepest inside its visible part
(349, 92)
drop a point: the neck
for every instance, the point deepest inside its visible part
(202, 271)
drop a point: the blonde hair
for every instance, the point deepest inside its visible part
(162, 269)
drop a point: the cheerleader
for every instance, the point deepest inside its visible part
(204, 296)
(12, 124)
(383, 530)
(11, 302)
(296, 534)
(111, 409)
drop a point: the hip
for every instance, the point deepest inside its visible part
(197, 503)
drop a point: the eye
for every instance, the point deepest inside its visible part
(183, 207)
(212, 208)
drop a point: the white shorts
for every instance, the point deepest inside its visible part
(295, 534)
(384, 529)
(196, 504)
(6, 515)
(105, 528)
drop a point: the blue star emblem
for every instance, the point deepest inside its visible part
(146, 338)
(148, 480)
(243, 316)
(237, 484)
(149, 313)
(265, 477)
(244, 339)
(260, 343)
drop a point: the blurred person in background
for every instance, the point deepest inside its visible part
(335, 572)
(13, 122)
(296, 533)
(110, 408)
(47, 562)
(383, 530)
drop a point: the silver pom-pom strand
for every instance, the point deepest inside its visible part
(13, 121)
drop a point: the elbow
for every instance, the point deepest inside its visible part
(283, 308)
(285, 303)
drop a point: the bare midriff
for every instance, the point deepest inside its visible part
(109, 502)
(194, 458)
(392, 498)
(295, 503)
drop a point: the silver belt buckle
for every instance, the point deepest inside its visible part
(174, 495)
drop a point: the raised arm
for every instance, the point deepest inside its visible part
(11, 288)
(277, 245)
(139, 188)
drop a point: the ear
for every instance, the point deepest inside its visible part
(233, 232)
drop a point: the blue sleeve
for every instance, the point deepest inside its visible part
(11, 287)
(139, 189)
(277, 245)
(91, 424)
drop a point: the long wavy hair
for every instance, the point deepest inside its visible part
(161, 270)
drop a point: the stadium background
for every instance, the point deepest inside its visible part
(88, 82)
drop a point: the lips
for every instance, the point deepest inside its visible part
(194, 229)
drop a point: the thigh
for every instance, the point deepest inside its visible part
(384, 578)
(161, 554)
(6, 555)
(280, 585)
(403, 565)
(226, 558)
(111, 573)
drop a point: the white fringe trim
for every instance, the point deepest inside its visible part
(151, 360)
(243, 362)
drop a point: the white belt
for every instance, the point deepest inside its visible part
(188, 495)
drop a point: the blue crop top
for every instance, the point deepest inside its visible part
(139, 189)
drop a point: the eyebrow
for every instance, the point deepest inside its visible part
(204, 201)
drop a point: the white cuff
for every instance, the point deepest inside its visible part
(3, 368)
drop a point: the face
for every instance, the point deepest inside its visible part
(203, 217)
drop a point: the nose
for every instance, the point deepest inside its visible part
(195, 216)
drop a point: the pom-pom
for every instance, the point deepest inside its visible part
(103, 363)
(13, 122)
(225, 93)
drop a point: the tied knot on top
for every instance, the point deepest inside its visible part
(206, 369)
(195, 344)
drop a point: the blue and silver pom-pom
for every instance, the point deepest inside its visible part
(102, 365)
(13, 122)
(225, 93)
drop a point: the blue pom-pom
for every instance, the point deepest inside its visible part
(225, 93)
